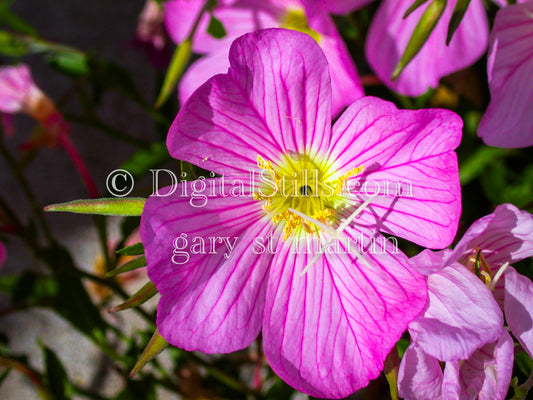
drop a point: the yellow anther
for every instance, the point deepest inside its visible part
(340, 181)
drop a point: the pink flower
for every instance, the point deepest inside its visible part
(329, 313)
(463, 321)
(507, 121)
(240, 17)
(18, 93)
(389, 34)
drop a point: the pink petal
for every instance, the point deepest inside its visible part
(211, 298)
(264, 105)
(420, 375)
(15, 85)
(398, 147)
(507, 121)
(429, 262)
(328, 331)
(487, 374)
(237, 20)
(518, 308)
(461, 315)
(389, 34)
(341, 7)
(345, 84)
(505, 235)
(200, 71)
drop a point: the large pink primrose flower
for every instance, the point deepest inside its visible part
(290, 246)
(389, 34)
(243, 16)
(508, 121)
(463, 321)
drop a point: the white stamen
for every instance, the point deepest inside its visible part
(498, 275)
(335, 234)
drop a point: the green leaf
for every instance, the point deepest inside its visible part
(11, 46)
(215, 28)
(413, 7)
(179, 61)
(141, 296)
(156, 345)
(476, 163)
(458, 13)
(136, 263)
(127, 206)
(71, 63)
(133, 250)
(145, 159)
(55, 376)
(72, 301)
(420, 35)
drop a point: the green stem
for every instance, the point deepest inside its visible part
(37, 210)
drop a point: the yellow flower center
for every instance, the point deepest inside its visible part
(295, 19)
(297, 182)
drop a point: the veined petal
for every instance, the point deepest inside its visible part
(389, 34)
(265, 105)
(487, 374)
(328, 331)
(461, 315)
(345, 84)
(409, 160)
(200, 71)
(428, 262)
(237, 20)
(507, 121)
(518, 306)
(420, 375)
(506, 235)
(202, 260)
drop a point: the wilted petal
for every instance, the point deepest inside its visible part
(461, 315)
(507, 121)
(15, 86)
(420, 375)
(506, 235)
(487, 374)
(389, 34)
(211, 296)
(409, 160)
(519, 307)
(271, 106)
(328, 331)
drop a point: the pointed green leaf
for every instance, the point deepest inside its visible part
(420, 35)
(56, 378)
(413, 7)
(136, 263)
(126, 206)
(458, 13)
(215, 28)
(133, 250)
(178, 63)
(156, 345)
(144, 294)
